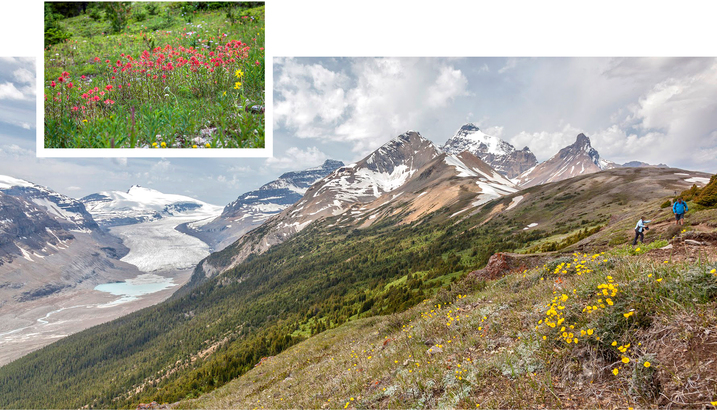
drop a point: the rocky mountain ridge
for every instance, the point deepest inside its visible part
(253, 208)
(499, 154)
(579, 158)
(408, 176)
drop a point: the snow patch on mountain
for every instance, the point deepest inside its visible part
(699, 180)
(514, 202)
(9, 182)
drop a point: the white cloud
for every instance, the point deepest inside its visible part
(162, 166)
(24, 76)
(510, 64)
(73, 188)
(450, 83)
(297, 159)
(15, 151)
(365, 101)
(313, 97)
(674, 122)
(8, 91)
(495, 131)
(120, 161)
(545, 144)
(239, 169)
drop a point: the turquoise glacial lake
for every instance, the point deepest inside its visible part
(131, 289)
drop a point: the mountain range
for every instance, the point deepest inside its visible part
(330, 245)
(253, 208)
(408, 176)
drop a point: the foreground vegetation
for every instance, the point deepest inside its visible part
(154, 75)
(614, 329)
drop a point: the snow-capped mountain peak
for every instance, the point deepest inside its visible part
(579, 158)
(500, 155)
(140, 204)
(70, 212)
(7, 182)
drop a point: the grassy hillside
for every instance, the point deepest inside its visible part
(621, 328)
(154, 74)
(324, 278)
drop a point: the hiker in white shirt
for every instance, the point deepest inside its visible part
(639, 228)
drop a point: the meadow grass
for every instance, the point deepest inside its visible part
(181, 78)
(545, 337)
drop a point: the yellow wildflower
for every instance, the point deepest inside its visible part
(646, 364)
(614, 371)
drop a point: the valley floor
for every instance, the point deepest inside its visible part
(29, 326)
(157, 249)
(625, 328)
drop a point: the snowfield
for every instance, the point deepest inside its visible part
(157, 246)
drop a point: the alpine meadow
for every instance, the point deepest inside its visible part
(154, 75)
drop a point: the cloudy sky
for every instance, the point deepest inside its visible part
(658, 110)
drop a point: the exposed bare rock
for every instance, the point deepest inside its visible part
(500, 155)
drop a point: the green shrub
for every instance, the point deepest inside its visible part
(94, 12)
(666, 204)
(707, 196)
(55, 35)
(152, 9)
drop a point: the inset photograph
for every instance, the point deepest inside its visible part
(154, 75)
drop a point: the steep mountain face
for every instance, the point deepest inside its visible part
(255, 207)
(49, 242)
(406, 179)
(141, 204)
(500, 155)
(69, 213)
(26, 229)
(577, 159)
(36, 220)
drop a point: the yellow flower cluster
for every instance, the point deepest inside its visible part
(452, 318)
(459, 373)
(239, 74)
(625, 359)
(608, 290)
(581, 264)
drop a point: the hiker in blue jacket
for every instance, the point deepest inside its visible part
(639, 228)
(679, 208)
